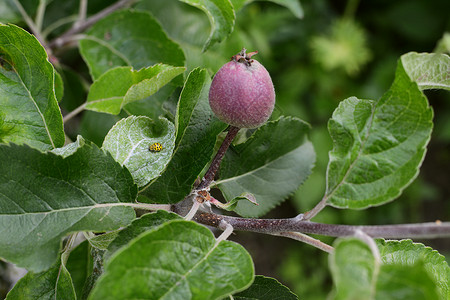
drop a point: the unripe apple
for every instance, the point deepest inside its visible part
(242, 92)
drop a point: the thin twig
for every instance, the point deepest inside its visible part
(209, 176)
(306, 239)
(67, 36)
(34, 29)
(81, 14)
(74, 112)
(58, 23)
(40, 14)
(417, 230)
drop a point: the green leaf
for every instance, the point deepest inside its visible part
(128, 38)
(197, 129)
(77, 265)
(178, 260)
(265, 288)
(137, 227)
(129, 140)
(354, 269)
(406, 271)
(405, 282)
(378, 145)
(95, 270)
(443, 45)
(221, 17)
(71, 148)
(54, 283)
(122, 85)
(44, 196)
(429, 71)
(407, 253)
(29, 109)
(230, 206)
(271, 165)
(293, 5)
(159, 104)
(103, 240)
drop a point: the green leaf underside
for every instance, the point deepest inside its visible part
(129, 141)
(197, 129)
(378, 145)
(137, 227)
(429, 71)
(221, 17)
(230, 206)
(122, 85)
(102, 241)
(265, 288)
(353, 266)
(43, 197)
(178, 260)
(55, 283)
(407, 271)
(270, 165)
(128, 38)
(407, 253)
(29, 111)
(71, 148)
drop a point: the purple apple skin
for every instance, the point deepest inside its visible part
(242, 93)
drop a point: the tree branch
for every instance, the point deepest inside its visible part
(81, 26)
(270, 226)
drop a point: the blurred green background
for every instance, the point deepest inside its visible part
(337, 50)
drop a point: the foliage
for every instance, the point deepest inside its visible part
(139, 76)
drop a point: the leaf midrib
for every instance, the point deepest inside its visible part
(363, 142)
(185, 275)
(98, 205)
(34, 102)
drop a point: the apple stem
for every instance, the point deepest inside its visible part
(209, 175)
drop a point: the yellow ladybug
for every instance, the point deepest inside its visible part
(155, 147)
